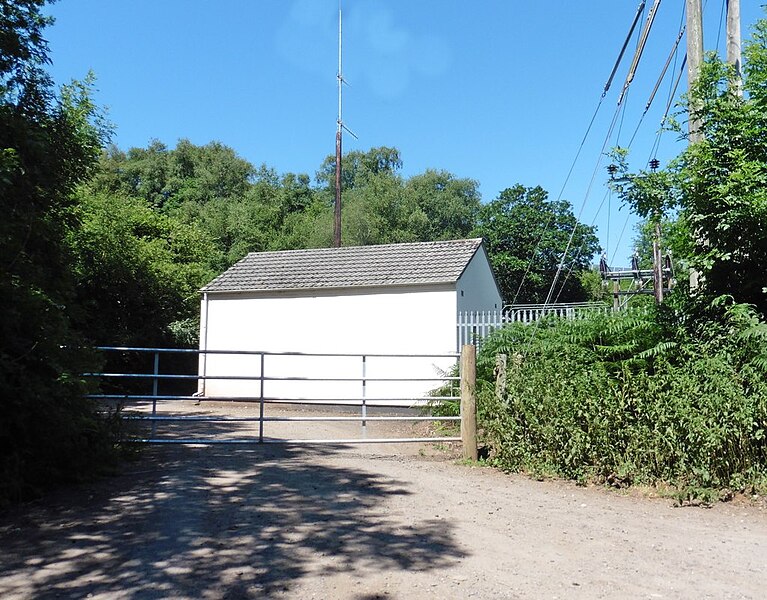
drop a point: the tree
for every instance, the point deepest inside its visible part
(166, 179)
(449, 205)
(382, 207)
(723, 178)
(674, 241)
(137, 272)
(374, 207)
(718, 186)
(357, 166)
(241, 208)
(48, 144)
(526, 235)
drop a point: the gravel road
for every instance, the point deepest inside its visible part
(366, 523)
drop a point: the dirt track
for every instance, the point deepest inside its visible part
(366, 523)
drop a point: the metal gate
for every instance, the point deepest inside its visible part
(154, 390)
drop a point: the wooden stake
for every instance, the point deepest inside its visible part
(469, 401)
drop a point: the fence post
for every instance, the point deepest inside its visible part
(364, 398)
(469, 401)
(261, 403)
(155, 390)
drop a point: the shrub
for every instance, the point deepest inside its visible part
(635, 397)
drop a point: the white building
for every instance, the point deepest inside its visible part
(388, 299)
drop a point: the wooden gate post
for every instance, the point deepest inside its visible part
(469, 401)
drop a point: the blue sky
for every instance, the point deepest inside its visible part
(501, 91)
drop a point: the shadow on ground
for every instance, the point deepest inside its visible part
(217, 522)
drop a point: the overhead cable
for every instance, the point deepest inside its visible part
(639, 11)
(640, 49)
(663, 71)
(629, 79)
(662, 76)
(561, 264)
(638, 14)
(671, 97)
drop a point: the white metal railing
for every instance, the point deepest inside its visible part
(475, 326)
(153, 400)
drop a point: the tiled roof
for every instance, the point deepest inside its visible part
(352, 266)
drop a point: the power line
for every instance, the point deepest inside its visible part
(640, 49)
(635, 20)
(674, 85)
(661, 77)
(626, 86)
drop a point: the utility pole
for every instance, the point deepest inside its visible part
(694, 29)
(694, 58)
(337, 210)
(733, 42)
(657, 263)
(657, 257)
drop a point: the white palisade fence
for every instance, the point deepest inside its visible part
(474, 326)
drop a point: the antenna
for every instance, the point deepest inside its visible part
(339, 74)
(339, 132)
(337, 210)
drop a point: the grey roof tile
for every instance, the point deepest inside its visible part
(350, 266)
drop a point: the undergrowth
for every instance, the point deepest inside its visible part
(652, 397)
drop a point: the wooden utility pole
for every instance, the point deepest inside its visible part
(657, 263)
(337, 209)
(733, 41)
(469, 401)
(694, 59)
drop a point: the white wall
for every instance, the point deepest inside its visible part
(411, 321)
(476, 287)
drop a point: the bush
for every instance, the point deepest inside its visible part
(635, 397)
(49, 430)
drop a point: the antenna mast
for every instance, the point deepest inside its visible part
(337, 211)
(339, 131)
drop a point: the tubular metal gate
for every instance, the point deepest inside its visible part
(154, 409)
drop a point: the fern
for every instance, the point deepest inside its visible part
(659, 395)
(660, 349)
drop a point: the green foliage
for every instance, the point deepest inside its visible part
(594, 287)
(526, 236)
(137, 271)
(446, 207)
(358, 167)
(377, 212)
(718, 185)
(650, 193)
(641, 397)
(49, 431)
(683, 399)
(23, 48)
(243, 209)
(674, 239)
(380, 207)
(166, 179)
(724, 178)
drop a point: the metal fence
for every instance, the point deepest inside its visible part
(475, 326)
(136, 387)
